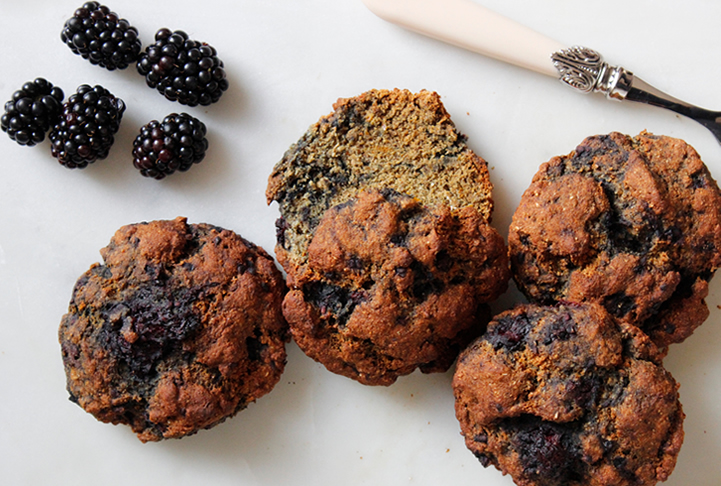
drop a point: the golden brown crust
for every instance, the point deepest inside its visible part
(180, 328)
(562, 396)
(631, 223)
(392, 286)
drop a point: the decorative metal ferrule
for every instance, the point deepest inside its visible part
(585, 70)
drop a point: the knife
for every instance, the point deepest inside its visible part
(471, 26)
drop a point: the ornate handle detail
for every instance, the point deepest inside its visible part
(585, 70)
(579, 67)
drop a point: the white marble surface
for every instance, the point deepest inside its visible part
(287, 62)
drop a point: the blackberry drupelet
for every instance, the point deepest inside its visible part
(87, 127)
(31, 112)
(183, 70)
(175, 144)
(100, 36)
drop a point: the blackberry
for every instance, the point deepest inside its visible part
(175, 144)
(100, 36)
(86, 130)
(183, 70)
(31, 112)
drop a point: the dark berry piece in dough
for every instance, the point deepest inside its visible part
(546, 450)
(510, 333)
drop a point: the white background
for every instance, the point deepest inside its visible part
(287, 62)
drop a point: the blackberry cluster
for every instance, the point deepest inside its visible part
(31, 112)
(175, 144)
(86, 130)
(100, 36)
(183, 70)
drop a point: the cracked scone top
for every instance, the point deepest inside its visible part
(631, 223)
(180, 328)
(384, 234)
(564, 396)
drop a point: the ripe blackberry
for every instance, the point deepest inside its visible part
(31, 112)
(183, 70)
(100, 36)
(86, 130)
(175, 144)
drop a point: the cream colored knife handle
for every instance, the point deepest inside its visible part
(467, 24)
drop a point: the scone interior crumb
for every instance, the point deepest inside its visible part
(381, 139)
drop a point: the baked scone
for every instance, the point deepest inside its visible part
(562, 396)
(180, 328)
(392, 285)
(631, 223)
(382, 203)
